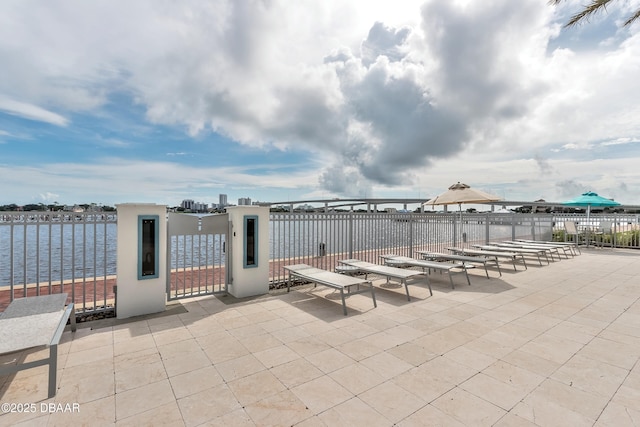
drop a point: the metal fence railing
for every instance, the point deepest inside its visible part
(53, 252)
(322, 239)
(609, 229)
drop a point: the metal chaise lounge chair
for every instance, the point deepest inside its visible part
(483, 260)
(513, 256)
(389, 272)
(567, 247)
(553, 249)
(35, 322)
(330, 279)
(497, 247)
(404, 261)
(548, 249)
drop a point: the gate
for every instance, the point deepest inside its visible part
(198, 259)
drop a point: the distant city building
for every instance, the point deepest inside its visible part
(222, 201)
(187, 204)
(305, 208)
(74, 208)
(201, 207)
(244, 201)
(281, 208)
(193, 206)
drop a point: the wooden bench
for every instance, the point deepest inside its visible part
(330, 279)
(33, 322)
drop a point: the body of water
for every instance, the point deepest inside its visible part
(53, 251)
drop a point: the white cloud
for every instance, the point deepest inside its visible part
(522, 179)
(621, 141)
(381, 95)
(119, 180)
(31, 112)
(49, 197)
(576, 147)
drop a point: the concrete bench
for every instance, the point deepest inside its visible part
(34, 322)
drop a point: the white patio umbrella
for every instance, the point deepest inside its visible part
(460, 193)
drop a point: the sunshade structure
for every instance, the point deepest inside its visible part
(588, 200)
(460, 193)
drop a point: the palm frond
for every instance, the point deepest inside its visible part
(589, 10)
(633, 18)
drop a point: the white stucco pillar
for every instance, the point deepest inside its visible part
(249, 251)
(141, 258)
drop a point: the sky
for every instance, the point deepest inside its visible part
(157, 101)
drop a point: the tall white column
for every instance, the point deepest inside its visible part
(249, 251)
(142, 254)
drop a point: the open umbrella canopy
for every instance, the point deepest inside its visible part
(458, 194)
(591, 199)
(461, 193)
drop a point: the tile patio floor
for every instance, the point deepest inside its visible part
(553, 345)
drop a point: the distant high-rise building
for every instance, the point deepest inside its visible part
(244, 201)
(187, 204)
(222, 200)
(201, 207)
(193, 206)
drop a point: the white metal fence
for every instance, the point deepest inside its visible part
(322, 239)
(49, 252)
(54, 252)
(613, 229)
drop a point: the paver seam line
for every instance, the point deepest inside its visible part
(584, 345)
(616, 392)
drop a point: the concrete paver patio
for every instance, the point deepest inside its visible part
(552, 345)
